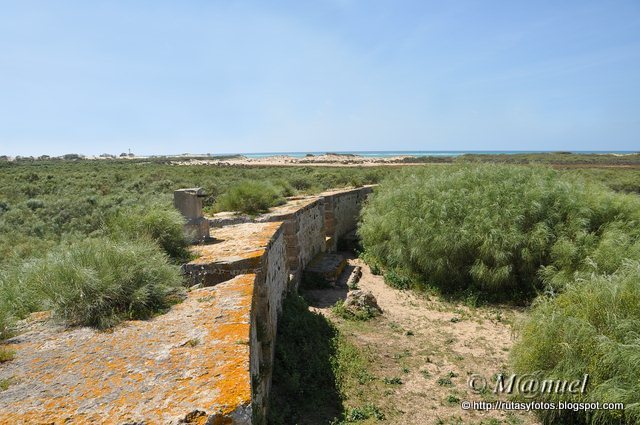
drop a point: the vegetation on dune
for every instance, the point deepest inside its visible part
(45, 202)
(163, 226)
(500, 230)
(560, 158)
(592, 328)
(51, 210)
(121, 270)
(96, 282)
(620, 180)
(563, 159)
(251, 197)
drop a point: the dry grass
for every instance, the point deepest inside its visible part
(6, 354)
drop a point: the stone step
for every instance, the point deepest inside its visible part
(324, 270)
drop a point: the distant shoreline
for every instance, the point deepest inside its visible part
(419, 153)
(368, 158)
(394, 158)
(309, 154)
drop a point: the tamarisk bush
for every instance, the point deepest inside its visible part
(505, 231)
(592, 328)
(518, 232)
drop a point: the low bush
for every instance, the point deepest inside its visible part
(506, 231)
(365, 314)
(95, 282)
(397, 280)
(368, 411)
(592, 328)
(6, 321)
(251, 197)
(165, 226)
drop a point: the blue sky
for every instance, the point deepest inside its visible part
(163, 77)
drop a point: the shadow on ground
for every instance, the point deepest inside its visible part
(304, 383)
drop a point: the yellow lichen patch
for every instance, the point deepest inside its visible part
(237, 242)
(293, 206)
(142, 370)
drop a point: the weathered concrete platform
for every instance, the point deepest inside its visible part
(236, 249)
(190, 364)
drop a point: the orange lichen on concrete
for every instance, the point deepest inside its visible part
(331, 192)
(236, 242)
(191, 363)
(291, 207)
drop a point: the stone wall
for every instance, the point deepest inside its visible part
(342, 210)
(304, 230)
(270, 289)
(237, 250)
(284, 241)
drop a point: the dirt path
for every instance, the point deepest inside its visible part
(422, 351)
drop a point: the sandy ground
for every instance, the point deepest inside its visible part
(316, 160)
(333, 160)
(432, 346)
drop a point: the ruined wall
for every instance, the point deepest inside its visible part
(277, 246)
(270, 288)
(304, 231)
(310, 226)
(237, 250)
(342, 209)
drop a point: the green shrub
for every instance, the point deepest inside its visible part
(95, 282)
(5, 383)
(397, 280)
(163, 225)
(357, 414)
(365, 314)
(490, 228)
(284, 187)
(592, 328)
(17, 298)
(6, 321)
(250, 197)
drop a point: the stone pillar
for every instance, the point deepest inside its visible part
(189, 203)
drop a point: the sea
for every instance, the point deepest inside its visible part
(384, 154)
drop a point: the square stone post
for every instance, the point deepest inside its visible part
(189, 203)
